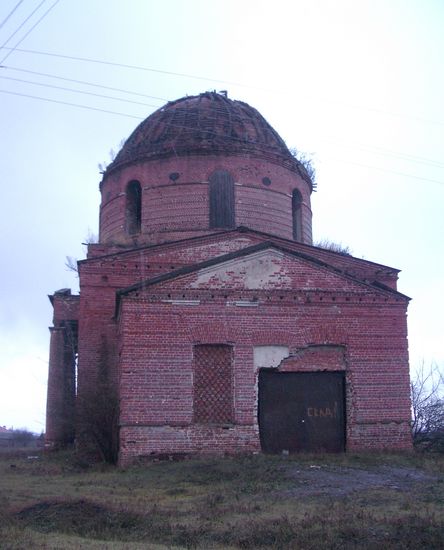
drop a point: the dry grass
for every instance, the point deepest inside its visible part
(303, 502)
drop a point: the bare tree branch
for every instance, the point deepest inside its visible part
(427, 391)
(71, 264)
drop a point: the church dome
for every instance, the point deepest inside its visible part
(201, 164)
(207, 124)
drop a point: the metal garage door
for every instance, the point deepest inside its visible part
(301, 411)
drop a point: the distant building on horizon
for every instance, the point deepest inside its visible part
(6, 437)
(10, 438)
(207, 322)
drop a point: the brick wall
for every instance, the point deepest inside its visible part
(180, 350)
(327, 325)
(156, 371)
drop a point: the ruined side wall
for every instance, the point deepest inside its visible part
(60, 402)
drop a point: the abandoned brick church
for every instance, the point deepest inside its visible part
(204, 304)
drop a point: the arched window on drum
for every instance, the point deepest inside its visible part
(221, 200)
(296, 208)
(133, 211)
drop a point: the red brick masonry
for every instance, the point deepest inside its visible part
(184, 315)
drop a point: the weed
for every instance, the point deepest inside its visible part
(303, 502)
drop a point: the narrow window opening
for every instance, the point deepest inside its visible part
(296, 207)
(221, 200)
(133, 207)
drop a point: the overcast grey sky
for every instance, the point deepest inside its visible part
(357, 84)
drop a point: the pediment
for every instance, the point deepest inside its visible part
(268, 269)
(162, 257)
(260, 270)
(260, 267)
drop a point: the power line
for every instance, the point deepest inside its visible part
(383, 151)
(387, 170)
(225, 82)
(361, 146)
(21, 25)
(127, 66)
(30, 30)
(401, 156)
(10, 13)
(178, 126)
(71, 104)
(77, 91)
(190, 128)
(84, 82)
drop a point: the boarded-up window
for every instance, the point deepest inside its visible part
(296, 207)
(221, 199)
(133, 207)
(213, 384)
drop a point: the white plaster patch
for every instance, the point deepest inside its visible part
(257, 271)
(269, 356)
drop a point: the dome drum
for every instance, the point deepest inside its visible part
(170, 206)
(163, 180)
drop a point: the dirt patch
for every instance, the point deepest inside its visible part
(340, 481)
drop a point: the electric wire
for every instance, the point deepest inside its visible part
(385, 170)
(224, 82)
(191, 128)
(360, 146)
(71, 104)
(382, 151)
(172, 124)
(77, 91)
(29, 31)
(21, 25)
(86, 83)
(10, 13)
(127, 66)
(405, 156)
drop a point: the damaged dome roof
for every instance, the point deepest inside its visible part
(207, 124)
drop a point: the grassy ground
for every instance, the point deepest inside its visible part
(301, 502)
